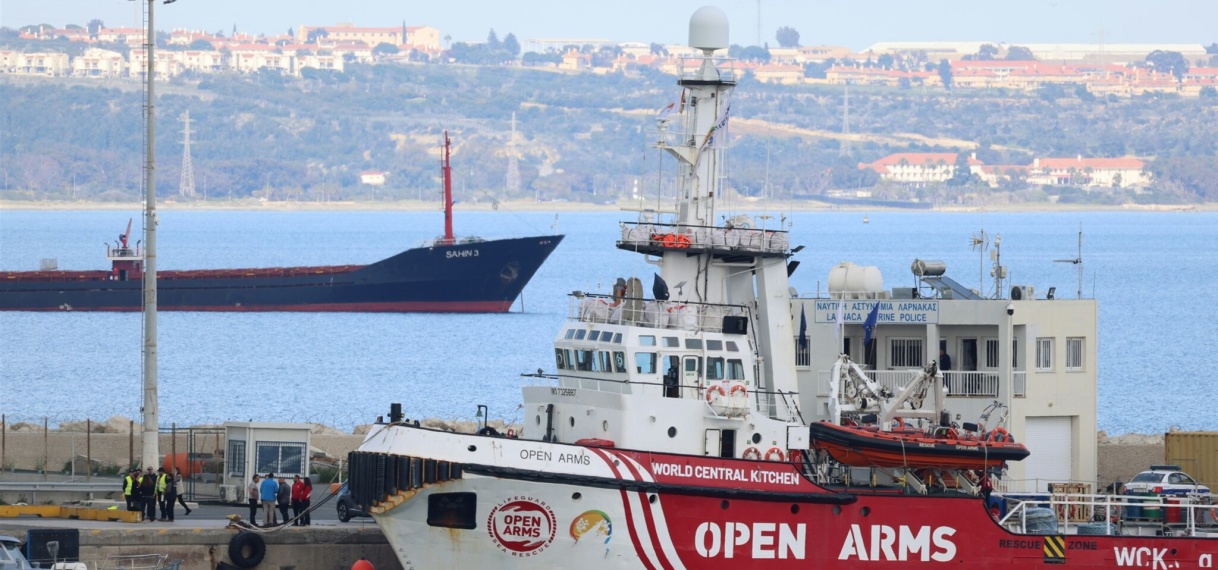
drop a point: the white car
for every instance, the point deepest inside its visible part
(1166, 480)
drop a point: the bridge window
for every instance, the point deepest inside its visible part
(570, 359)
(617, 338)
(905, 352)
(579, 334)
(712, 344)
(714, 369)
(583, 360)
(594, 335)
(647, 340)
(731, 346)
(735, 369)
(605, 362)
(645, 362)
(570, 334)
(672, 342)
(693, 343)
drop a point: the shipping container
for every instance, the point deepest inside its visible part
(1196, 452)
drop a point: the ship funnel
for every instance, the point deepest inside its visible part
(708, 29)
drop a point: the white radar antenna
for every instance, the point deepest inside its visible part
(1077, 261)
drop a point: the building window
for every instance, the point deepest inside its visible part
(905, 353)
(1074, 353)
(991, 353)
(1044, 354)
(236, 457)
(281, 457)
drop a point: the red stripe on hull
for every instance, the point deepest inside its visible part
(634, 537)
(385, 307)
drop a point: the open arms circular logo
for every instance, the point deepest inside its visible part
(522, 526)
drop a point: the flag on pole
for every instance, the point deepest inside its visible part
(672, 106)
(869, 324)
(803, 329)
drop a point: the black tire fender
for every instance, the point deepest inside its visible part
(238, 545)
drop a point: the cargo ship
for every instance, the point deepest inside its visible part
(670, 435)
(458, 275)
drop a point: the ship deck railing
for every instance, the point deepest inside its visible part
(725, 69)
(765, 402)
(634, 311)
(656, 238)
(1084, 513)
(959, 383)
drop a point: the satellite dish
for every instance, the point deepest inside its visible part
(708, 29)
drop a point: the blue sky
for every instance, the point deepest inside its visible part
(856, 23)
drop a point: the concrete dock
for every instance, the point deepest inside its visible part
(204, 544)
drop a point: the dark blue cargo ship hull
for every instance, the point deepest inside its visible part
(479, 276)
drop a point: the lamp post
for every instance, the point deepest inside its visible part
(151, 444)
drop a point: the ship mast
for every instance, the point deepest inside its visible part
(447, 169)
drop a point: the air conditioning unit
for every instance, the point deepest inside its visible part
(228, 494)
(1020, 292)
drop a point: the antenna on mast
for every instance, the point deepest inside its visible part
(1077, 261)
(979, 243)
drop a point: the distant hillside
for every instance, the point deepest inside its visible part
(580, 136)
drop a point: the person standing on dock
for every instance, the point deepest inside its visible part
(148, 492)
(268, 488)
(129, 489)
(283, 497)
(306, 498)
(297, 489)
(170, 497)
(251, 494)
(162, 484)
(177, 486)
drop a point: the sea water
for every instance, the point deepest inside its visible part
(1155, 275)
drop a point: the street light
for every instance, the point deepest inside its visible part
(150, 408)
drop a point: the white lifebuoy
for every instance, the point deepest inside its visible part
(775, 454)
(710, 393)
(751, 453)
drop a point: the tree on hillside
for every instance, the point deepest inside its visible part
(787, 37)
(1208, 92)
(383, 49)
(201, 45)
(945, 73)
(986, 53)
(751, 53)
(1172, 62)
(961, 173)
(492, 41)
(94, 26)
(658, 50)
(511, 45)
(886, 61)
(1020, 53)
(316, 34)
(1212, 49)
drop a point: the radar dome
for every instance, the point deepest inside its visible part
(708, 29)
